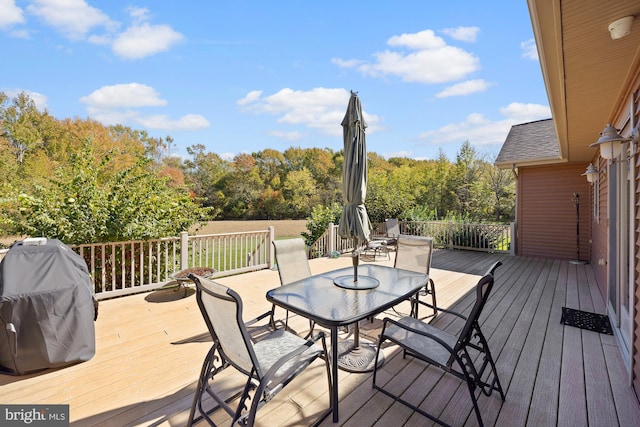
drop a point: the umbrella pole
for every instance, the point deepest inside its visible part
(354, 356)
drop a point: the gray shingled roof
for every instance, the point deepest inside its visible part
(531, 143)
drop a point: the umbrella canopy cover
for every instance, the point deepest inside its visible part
(354, 221)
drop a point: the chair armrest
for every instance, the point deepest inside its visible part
(259, 318)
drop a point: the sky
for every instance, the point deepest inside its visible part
(246, 75)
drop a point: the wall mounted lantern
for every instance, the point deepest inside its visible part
(610, 143)
(591, 173)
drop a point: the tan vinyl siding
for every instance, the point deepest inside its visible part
(636, 332)
(599, 254)
(636, 287)
(547, 215)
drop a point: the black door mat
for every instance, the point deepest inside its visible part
(586, 320)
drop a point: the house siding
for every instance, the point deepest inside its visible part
(547, 214)
(600, 242)
(636, 329)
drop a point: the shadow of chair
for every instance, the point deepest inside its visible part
(414, 253)
(269, 362)
(455, 354)
(293, 265)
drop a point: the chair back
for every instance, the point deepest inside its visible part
(414, 253)
(291, 257)
(221, 308)
(393, 227)
(483, 289)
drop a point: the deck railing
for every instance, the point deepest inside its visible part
(122, 268)
(446, 234)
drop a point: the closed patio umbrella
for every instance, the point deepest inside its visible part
(354, 221)
(354, 355)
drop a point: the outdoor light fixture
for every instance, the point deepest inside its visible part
(591, 173)
(621, 27)
(610, 143)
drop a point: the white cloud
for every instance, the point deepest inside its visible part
(479, 130)
(525, 112)
(464, 88)
(124, 95)
(118, 104)
(529, 49)
(10, 14)
(342, 63)
(465, 34)
(188, 122)
(73, 18)
(428, 60)
(423, 40)
(77, 20)
(144, 40)
(319, 108)
(252, 96)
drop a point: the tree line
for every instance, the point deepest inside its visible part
(80, 181)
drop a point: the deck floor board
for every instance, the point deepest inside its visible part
(150, 349)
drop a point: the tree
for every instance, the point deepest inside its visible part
(300, 193)
(204, 175)
(86, 203)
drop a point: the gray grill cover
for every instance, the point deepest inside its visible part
(46, 308)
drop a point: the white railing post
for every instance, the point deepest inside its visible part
(450, 234)
(512, 245)
(332, 238)
(184, 250)
(272, 237)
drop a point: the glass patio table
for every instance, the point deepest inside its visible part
(333, 299)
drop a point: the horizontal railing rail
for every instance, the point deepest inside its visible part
(122, 268)
(446, 234)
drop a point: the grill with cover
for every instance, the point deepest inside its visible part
(47, 308)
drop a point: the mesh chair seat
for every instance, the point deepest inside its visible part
(419, 337)
(281, 344)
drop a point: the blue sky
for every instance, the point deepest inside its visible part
(242, 76)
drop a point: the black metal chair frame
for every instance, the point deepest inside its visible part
(417, 338)
(287, 354)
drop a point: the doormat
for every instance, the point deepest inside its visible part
(586, 320)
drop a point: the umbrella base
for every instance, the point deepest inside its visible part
(358, 359)
(363, 282)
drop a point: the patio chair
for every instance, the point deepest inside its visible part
(293, 264)
(269, 363)
(414, 253)
(452, 353)
(393, 231)
(382, 244)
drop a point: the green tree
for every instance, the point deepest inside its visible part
(319, 220)
(300, 193)
(86, 203)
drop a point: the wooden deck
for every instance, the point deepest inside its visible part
(150, 349)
